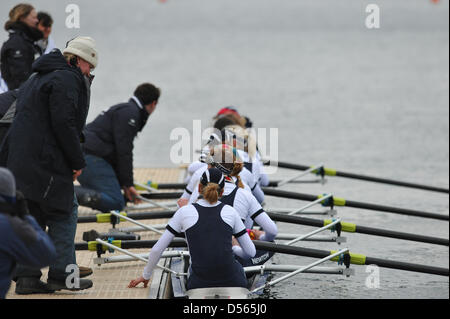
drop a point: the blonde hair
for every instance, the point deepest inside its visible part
(210, 192)
(237, 168)
(17, 13)
(239, 120)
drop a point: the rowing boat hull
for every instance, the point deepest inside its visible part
(179, 291)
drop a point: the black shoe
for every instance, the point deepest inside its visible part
(32, 285)
(85, 271)
(60, 285)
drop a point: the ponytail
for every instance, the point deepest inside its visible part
(237, 168)
(210, 192)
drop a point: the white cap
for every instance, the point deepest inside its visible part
(83, 47)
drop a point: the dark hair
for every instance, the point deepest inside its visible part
(223, 121)
(147, 93)
(45, 19)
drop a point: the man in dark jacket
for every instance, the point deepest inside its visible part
(43, 151)
(22, 239)
(7, 111)
(6, 100)
(109, 151)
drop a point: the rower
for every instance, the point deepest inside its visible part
(243, 201)
(209, 226)
(245, 144)
(190, 194)
(238, 197)
(229, 118)
(200, 164)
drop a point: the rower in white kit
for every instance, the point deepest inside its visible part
(209, 227)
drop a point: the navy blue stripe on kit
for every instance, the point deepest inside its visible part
(257, 213)
(244, 231)
(173, 231)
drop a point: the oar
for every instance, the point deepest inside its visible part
(337, 201)
(302, 269)
(148, 227)
(126, 252)
(353, 228)
(333, 172)
(165, 186)
(356, 259)
(127, 244)
(108, 218)
(165, 195)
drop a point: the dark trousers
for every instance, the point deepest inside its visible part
(98, 175)
(61, 230)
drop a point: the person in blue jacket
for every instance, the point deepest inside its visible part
(23, 241)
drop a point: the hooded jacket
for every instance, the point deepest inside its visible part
(18, 53)
(6, 100)
(42, 147)
(23, 241)
(111, 135)
(7, 110)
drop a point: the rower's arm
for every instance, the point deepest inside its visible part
(258, 193)
(156, 252)
(246, 248)
(268, 225)
(262, 219)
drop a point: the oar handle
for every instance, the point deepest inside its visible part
(106, 217)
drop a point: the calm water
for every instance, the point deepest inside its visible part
(374, 102)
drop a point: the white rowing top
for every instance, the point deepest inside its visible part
(251, 211)
(247, 178)
(186, 217)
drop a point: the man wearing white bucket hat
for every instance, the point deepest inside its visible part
(43, 150)
(83, 48)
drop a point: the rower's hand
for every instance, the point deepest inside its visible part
(76, 173)
(132, 194)
(257, 233)
(137, 281)
(234, 241)
(182, 202)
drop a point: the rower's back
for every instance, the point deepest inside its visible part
(209, 241)
(209, 226)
